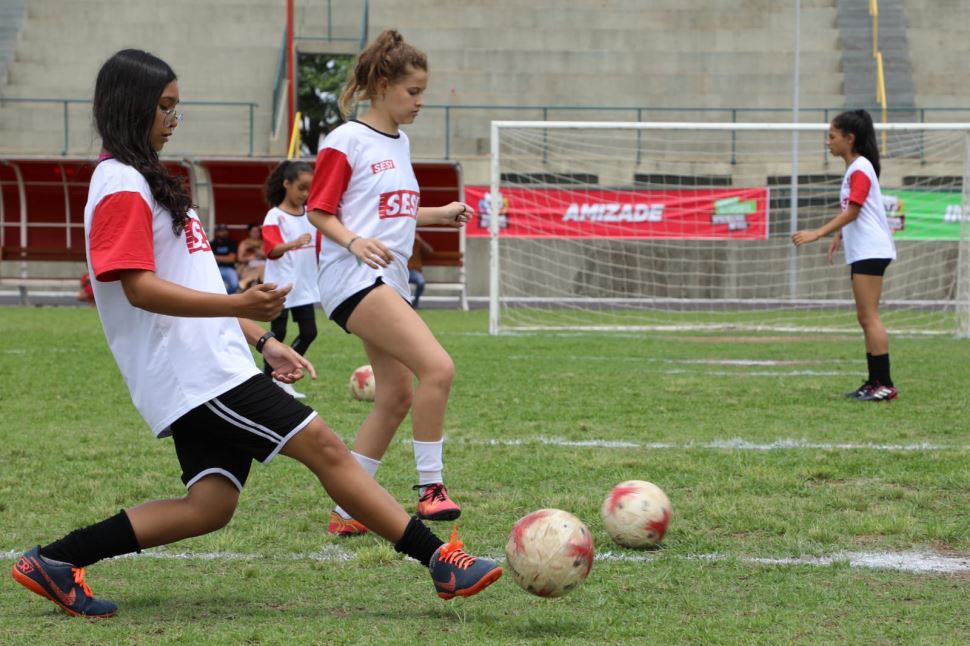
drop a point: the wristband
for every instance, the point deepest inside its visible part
(263, 339)
(352, 242)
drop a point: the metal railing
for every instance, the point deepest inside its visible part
(450, 113)
(248, 106)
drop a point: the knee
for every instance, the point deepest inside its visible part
(307, 336)
(395, 402)
(213, 512)
(440, 375)
(869, 320)
(325, 443)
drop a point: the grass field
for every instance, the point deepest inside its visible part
(786, 495)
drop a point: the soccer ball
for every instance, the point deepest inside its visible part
(362, 383)
(636, 513)
(550, 552)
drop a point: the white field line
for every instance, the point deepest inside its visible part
(742, 363)
(732, 444)
(918, 562)
(703, 361)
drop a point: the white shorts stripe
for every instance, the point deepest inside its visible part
(216, 471)
(236, 419)
(299, 427)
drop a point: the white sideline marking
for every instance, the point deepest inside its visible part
(919, 562)
(735, 444)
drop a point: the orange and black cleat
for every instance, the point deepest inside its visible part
(62, 583)
(434, 503)
(340, 526)
(457, 573)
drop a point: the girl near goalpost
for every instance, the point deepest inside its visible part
(863, 230)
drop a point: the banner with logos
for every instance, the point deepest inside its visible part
(924, 215)
(728, 213)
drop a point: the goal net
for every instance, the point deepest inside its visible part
(687, 226)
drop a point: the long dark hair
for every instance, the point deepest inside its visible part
(126, 97)
(859, 123)
(388, 58)
(273, 189)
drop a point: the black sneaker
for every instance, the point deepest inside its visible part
(62, 583)
(878, 393)
(860, 391)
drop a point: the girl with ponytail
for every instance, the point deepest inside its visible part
(868, 241)
(365, 200)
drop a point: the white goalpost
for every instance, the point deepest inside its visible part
(687, 226)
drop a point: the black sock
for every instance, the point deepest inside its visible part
(418, 542)
(111, 537)
(880, 364)
(872, 368)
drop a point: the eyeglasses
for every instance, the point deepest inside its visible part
(171, 117)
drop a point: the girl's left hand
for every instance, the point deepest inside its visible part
(804, 237)
(457, 214)
(288, 365)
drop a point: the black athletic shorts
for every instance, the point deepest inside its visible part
(870, 267)
(224, 435)
(342, 314)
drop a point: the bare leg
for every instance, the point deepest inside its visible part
(319, 448)
(393, 334)
(392, 401)
(867, 291)
(207, 506)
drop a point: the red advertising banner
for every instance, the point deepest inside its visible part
(730, 213)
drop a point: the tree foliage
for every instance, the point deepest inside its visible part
(321, 79)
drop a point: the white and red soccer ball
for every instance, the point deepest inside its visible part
(362, 383)
(636, 514)
(549, 552)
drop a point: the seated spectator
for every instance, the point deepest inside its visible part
(416, 267)
(86, 293)
(251, 259)
(224, 249)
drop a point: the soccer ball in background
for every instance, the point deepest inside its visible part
(550, 552)
(362, 383)
(636, 514)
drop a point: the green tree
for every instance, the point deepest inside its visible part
(321, 79)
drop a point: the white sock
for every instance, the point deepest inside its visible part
(427, 460)
(370, 466)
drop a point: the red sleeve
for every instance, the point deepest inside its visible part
(121, 235)
(318, 244)
(859, 185)
(271, 238)
(330, 179)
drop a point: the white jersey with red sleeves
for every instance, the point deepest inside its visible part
(365, 178)
(171, 364)
(868, 236)
(297, 266)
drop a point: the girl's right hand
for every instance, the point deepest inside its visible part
(834, 245)
(372, 252)
(302, 241)
(263, 302)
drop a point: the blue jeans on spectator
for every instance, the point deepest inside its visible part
(229, 278)
(415, 276)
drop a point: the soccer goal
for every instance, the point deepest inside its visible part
(687, 226)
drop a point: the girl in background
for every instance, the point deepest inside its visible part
(869, 247)
(183, 353)
(291, 245)
(365, 198)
